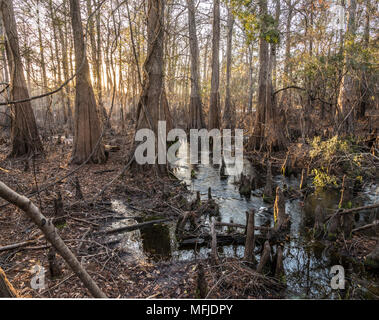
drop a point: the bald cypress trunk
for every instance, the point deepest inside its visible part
(229, 112)
(66, 74)
(260, 113)
(153, 98)
(87, 123)
(347, 95)
(49, 119)
(24, 135)
(214, 104)
(196, 106)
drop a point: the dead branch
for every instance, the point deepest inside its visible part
(52, 236)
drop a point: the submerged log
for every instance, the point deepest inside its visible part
(6, 288)
(250, 239)
(242, 226)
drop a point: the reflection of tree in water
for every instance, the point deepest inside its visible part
(305, 273)
(156, 242)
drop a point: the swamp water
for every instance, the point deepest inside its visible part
(307, 263)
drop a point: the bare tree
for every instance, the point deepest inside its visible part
(25, 138)
(153, 104)
(347, 94)
(214, 104)
(196, 120)
(87, 123)
(229, 112)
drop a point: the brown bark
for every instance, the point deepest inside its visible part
(153, 104)
(347, 95)
(214, 103)
(260, 114)
(48, 120)
(87, 124)
(66, 74)
(250, 239)
(24, 135)
(196, 120)
(265, 258)
(229, 112)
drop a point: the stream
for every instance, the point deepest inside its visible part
(307, 263)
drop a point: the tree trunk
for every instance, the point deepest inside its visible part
(48, 119)
(214, 103)
(347, 95)
(150, 107)
(87, 123)
(25, 138)
(229, 112)
(365, 90)
(66, 73)
(196, 120)
(251, 80)
(260, 114)
(250, 237)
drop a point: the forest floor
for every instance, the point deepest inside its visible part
(116, 276)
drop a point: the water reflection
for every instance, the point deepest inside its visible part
(306, 262)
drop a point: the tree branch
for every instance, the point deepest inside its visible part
(52, 236)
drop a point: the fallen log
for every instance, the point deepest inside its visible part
(51, 234)
(222, 240)
(132, 227)
(242, 226)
